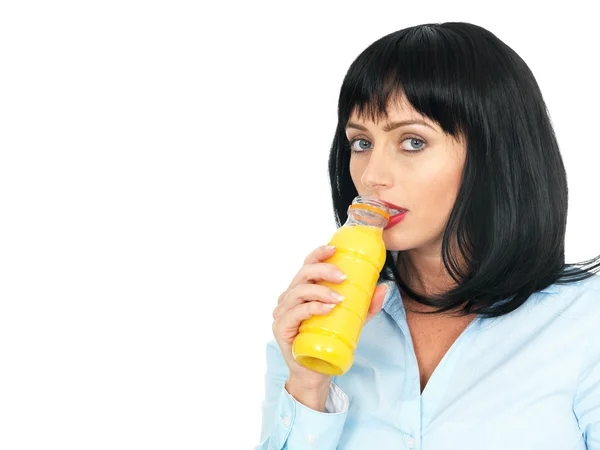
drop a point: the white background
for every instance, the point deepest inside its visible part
(163, 174)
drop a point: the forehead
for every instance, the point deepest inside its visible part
(396, 110)
(397, 116)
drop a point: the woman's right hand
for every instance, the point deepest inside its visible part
(303, 299)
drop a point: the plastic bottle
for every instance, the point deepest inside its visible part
(326, 343)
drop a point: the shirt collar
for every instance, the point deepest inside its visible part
(392, 302)
(393, 305)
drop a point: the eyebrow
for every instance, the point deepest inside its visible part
(391, 126)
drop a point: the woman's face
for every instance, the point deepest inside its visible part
(414, 166)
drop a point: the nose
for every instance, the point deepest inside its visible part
(378, 173)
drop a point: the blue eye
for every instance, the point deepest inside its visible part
(414, 141)
(357, 140)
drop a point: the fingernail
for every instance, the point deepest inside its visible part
(331, 305)
(330, 247)
(337, 296)
(342, 276)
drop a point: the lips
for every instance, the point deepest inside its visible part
(395, 219)
(394, 209)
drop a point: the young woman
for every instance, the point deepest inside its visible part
(479, 336)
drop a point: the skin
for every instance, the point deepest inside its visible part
(426, 183)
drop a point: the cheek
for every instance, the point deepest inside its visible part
(356, 171)
(439, 193)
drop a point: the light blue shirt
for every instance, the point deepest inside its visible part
(528, 380)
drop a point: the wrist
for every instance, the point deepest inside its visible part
(300, 383)
(311, 395)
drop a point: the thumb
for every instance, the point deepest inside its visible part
(376, 301)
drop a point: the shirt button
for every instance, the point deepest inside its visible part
(310, 438)
(411, 443)
(286, 421)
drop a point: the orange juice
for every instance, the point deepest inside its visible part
(326, 343)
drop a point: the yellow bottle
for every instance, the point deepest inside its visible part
(326, 343)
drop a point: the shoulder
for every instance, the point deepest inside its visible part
(561, 316)
(557, 323)
(570, 305)
(578, 299)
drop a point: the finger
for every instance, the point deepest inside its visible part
(312, 273)
(304, 293)
(282, 296)
(295, 316)
(376, 301)
(319, 254)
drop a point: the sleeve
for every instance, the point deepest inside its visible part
(287, 423)
(586, 405)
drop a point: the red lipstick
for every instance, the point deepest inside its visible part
(395, 218)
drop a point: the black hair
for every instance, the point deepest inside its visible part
(509, 218)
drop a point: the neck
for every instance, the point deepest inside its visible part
(423, 270)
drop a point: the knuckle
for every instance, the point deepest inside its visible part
(277, 326)
(314, 254)
(282, 297)
(314, 307)
(321, 292)
(311, 256)
(333, 267)
(304, 270)
(327, 268)
(305, 292)
(291, 294)
(299, 274)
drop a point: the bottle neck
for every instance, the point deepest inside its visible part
(365, 217)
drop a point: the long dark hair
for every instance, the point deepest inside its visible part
(510, 215)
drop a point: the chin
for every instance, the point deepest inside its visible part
(401, 240)
(397, 243)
